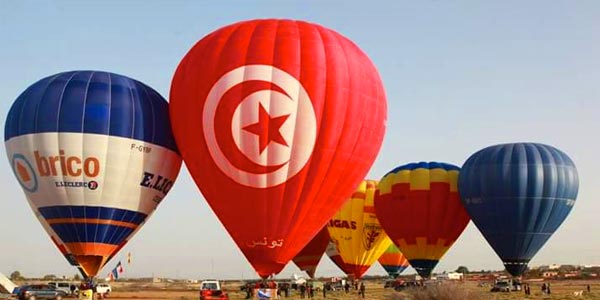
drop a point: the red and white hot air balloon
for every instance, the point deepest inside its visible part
(270, 118)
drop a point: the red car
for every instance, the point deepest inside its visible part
(211, 290)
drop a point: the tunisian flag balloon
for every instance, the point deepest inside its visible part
(277, 121)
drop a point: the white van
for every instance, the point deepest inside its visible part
(103, 288)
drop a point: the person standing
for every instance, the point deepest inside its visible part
(544, 288)
(286, 290)
(248, 290)
(589, 289)
(362, 289)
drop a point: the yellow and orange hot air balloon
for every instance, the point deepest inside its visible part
(356, 231)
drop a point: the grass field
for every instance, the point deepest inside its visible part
(561, 290)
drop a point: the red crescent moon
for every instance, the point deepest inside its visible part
(230, 100)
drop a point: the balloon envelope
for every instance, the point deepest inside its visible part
(334, 255)
(419, 207)
(518, 195)
(356, 232)
(94, 154)
(269, 117)
(393, 261)
(309, 257)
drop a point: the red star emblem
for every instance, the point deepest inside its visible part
(267, 128)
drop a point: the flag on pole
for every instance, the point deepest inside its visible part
(119, 268)
(115, 274)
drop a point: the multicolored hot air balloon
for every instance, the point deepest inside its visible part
(428, 193)
(309, 257)
(393, 261)
(94, 154)
(269, 118)
(356, 232)
(518, 195)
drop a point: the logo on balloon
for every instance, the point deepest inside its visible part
(260, 125)
(92, 185)
(371, 233)
(25, 173)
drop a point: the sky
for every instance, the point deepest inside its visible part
(459, 76)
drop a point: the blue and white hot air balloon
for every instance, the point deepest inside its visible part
(94, 154)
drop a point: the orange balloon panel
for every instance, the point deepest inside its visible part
(356, 232)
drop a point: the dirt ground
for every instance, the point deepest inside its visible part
(561, 290)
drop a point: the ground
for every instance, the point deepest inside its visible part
(561, 290)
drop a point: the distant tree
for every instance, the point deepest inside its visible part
(533, 273)
(462, 269)
(567, 268)
(16, 275)
(49, 277)
(76, 277)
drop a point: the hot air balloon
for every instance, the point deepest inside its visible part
(427, 194)
(356, 232)
(518, 195)
(393, 261)
(334, 255)
(269, 118)
(94, 154)
(309, 257)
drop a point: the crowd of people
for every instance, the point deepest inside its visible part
(305, 290)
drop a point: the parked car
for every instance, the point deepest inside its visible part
(65, 286)
(501, 286)
(40, 291)
(406, 284)
(393, 283)
(211, 290)
(103, 288)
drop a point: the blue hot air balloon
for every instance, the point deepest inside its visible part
(94, 154)
(518, 195)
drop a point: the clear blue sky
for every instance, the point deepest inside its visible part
(459, 76)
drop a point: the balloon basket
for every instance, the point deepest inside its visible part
(86, 294)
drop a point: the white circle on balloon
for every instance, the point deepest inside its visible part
(299, 130)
